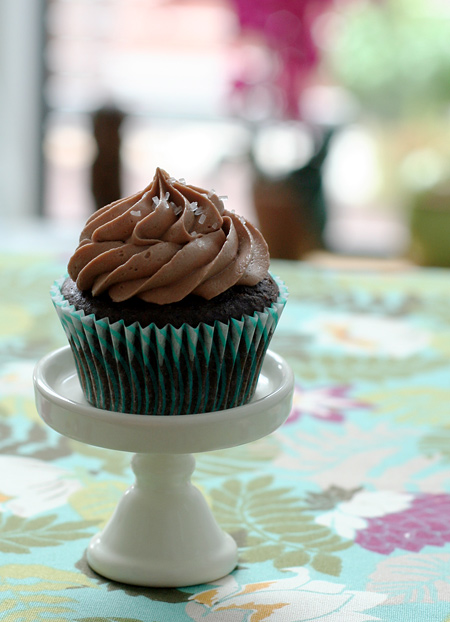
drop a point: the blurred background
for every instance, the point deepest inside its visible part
(326, 122)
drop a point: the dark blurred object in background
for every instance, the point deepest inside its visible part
(430, 226)
(291, 209)
(106, 174)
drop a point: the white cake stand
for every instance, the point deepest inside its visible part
(162, 532)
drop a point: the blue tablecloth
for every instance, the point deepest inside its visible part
(342, 515)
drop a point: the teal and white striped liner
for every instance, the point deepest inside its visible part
(167, 371)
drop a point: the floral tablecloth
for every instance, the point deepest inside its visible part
(342, 515)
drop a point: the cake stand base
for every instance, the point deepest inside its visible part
(162, 532)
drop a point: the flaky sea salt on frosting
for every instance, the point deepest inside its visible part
(165, 242)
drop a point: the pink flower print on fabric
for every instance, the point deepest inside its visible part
(351, 515)
(327, 403)
(425, 523)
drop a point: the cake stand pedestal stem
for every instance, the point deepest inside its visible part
(162, 532)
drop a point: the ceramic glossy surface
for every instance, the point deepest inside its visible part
(162, 532)
(64, 408)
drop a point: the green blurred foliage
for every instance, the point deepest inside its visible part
(394, 55)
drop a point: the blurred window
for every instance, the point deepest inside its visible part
(166, 65)
(21, 107)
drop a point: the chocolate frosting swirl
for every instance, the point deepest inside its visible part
(165, 242)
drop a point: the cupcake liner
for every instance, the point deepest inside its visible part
(168, 371)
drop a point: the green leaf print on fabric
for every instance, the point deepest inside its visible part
(441, 340)
(347, 369)
(277, 525)
(114, 462)
(438, 308)
(27, 592)
(328, 499)
(320, 283)
(13, 404)
(236, 460)
(27, 327)
(96, 502)
(36, 443)
(420, 405)
(19, 535)
(327, 564)
(437, 444)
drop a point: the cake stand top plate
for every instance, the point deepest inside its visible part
(62, 405)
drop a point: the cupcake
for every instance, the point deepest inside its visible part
(168, 304)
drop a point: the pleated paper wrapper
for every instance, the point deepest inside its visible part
(168, 371)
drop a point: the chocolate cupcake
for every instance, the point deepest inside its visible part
(168, 305)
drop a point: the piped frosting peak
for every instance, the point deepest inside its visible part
(165, 242)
